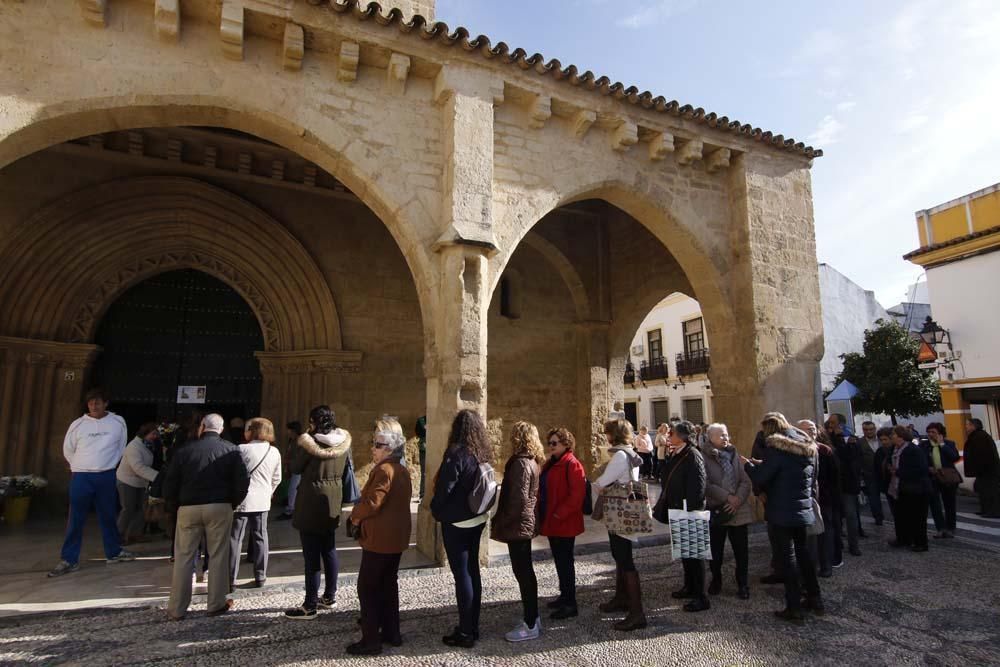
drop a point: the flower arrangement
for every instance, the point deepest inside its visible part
(20, 486)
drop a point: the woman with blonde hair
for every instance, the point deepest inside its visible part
(788, 476)
(622, 468)
(515, 524)
(264, 465)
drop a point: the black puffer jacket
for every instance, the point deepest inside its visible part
(455, 479)
(787, 476)
(829, 478)
(683, 478)
(848, 451)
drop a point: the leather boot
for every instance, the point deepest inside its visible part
(620, 601)
(636, 618)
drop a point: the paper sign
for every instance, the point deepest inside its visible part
(191, 393)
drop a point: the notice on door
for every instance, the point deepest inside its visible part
(191, 393)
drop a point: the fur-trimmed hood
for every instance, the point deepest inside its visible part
(325, 445)
(793, 442)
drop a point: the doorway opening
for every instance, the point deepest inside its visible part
(179, 342)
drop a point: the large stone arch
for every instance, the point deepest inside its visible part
(69, 261)
(314, 136)
(570, 276)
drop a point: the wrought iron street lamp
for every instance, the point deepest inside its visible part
(933, 334)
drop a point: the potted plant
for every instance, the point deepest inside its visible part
(16, 492)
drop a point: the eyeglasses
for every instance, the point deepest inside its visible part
(381, 445)
(554, 443)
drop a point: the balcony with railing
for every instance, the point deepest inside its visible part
(629, 377)
(654, 369)
(693, 363)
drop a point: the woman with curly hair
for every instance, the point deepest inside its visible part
(561, 488)
(461, 528)
(514, 521)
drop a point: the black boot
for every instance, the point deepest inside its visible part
(636, 618)
(620, 601)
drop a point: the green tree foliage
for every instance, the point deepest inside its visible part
(887, 376)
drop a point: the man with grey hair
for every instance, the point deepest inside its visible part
(205, 481)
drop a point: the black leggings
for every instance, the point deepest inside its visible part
(462, 547)
(562, 554)
(621, 551)
(524, 572)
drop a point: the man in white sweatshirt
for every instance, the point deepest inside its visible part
(93, 447)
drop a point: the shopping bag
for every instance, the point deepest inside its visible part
(626, 509)
(689, 534)
(817, 527)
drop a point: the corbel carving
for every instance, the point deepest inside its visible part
(660, 145)
(95, 12)
(624, 136)
(347, 66)
(690, 152)
(211, 156)
(396, 73)
(245, 163)
(717, 159)
(582, 122)
(167, 19)
(136, 143)
(539, 111)
(309, 175)
(231, 29)
(294, 48)
(278, 170)
(175, 148)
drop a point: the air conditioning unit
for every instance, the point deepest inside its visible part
(637, 350)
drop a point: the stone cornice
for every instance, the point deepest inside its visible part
(48, 352)
(309, 361)
(357, 34)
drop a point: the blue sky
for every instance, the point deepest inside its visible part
(902, 97)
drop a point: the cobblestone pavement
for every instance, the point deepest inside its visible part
(884, 608)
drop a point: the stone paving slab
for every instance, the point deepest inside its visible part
(884, 608)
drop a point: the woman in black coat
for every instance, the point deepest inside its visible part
(942, 455)
(787, 476)
(911, 487)
(683, 479)
(461, 528)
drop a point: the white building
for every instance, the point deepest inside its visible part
(667, 375)
(959, 241)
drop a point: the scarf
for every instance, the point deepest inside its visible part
(936, 454)
(894, 483)
(726, 457)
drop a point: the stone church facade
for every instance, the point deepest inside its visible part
(419, 221)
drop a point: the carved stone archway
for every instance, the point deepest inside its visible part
(68, 263)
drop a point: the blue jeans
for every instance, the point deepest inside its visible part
(462, 547)
(88, 490)
(319, 551)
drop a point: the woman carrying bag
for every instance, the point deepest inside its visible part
(683, 481)
(622, 469)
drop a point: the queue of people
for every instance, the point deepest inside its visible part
(218, 493)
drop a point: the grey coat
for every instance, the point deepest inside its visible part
(718, 489)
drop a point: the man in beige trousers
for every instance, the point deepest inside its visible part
(205, 480)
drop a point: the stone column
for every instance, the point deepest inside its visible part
(41, 385)
(766, 358)
(599, 384)
(455, 359)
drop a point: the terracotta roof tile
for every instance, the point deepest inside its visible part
(439, 31)
(951, 242)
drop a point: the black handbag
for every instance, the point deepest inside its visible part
(721, 516)
(352, 492)
(588, 498)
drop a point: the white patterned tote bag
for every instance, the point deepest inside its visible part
(689, 534)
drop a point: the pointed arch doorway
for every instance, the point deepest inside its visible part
(180, 328)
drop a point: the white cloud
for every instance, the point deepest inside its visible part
(905, 31)
(655, 12)
(827, 132)
(847, 105)
(822, 44)
(911, 122)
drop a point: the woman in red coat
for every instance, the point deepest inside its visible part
(560, 499)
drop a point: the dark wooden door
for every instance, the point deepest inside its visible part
(179, 328)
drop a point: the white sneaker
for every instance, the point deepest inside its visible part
(523, 633)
